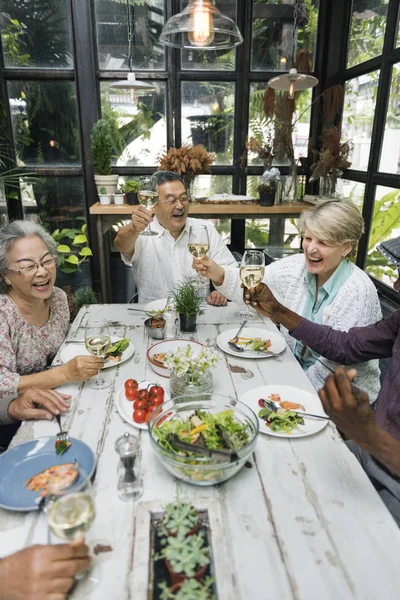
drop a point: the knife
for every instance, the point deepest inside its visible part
(271, 406)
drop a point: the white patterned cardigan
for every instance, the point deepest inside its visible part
(355, 305)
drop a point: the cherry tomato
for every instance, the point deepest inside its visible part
(151, 408)
(156, 391)
(131, 383)
(147, 418)
(139, 405)
(131, 393)
(157, 401)
(139, 416)
(261, 403)
(143, 395)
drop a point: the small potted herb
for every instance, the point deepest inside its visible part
(130, 189)
(267, 184)
(190, 589)
(104, 197)
(105, 143)
(185, 557)
(187, 304)
(181, 518)
(119, 197)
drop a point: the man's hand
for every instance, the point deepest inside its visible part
(36, 403)
(141, 217)
(82, 368)
(262, 299)
(348, 407)
(42, 572)
(216, 299)
(208, 268)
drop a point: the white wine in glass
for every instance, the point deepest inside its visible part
(198, 244)
(148, 199)
(98, 341)
(251, 274)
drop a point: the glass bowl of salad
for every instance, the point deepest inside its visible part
(203, 439)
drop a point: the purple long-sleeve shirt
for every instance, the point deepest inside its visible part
(380, 340)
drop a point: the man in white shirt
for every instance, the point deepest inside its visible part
(160, 262)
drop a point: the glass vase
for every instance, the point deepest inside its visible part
(190, 384)
(290, 185)
(328, 184)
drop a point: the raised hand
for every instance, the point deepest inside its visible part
(262, 299)
(82, 368)
(208, 268)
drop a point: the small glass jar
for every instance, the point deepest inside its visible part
(130, 486)
(189, 384)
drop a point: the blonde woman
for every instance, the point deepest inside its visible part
(322, 284)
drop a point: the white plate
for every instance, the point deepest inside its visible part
(125, 406)
(311, 403)
(169, 346)
(70, 351)
(155, 305)
(278, 343)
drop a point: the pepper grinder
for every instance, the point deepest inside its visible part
(130, 486)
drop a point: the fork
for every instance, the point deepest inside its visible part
(61, 435)
(235, 338)
(332, 370)
(270, 404)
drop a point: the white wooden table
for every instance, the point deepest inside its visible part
(304, 523)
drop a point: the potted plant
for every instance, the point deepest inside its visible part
(130, 189)
(104, 145)
(185, 557)
(187, 304)
(267, 185)
(189, 589)
(119, 197)
(180, 518)
(104, 197)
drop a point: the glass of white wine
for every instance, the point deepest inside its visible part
(148, 198)
(97, 341)
(198, 245)
(251, 274)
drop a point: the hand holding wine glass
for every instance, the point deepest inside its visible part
(198, 245)
(148, 198)
(251, 273)
(97, 341)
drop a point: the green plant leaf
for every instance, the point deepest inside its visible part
(80, 239)
(86, 252)
(386, 217)
(63, 248)
(84, 227)
(72, 259)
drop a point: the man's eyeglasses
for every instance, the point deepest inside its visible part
(31, 269)
(175, 201)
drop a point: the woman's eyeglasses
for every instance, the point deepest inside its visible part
(31, 269)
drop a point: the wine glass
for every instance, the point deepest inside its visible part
(71, 512)
(198, 245)
(97, 341)
(148, 198)
(251, 273)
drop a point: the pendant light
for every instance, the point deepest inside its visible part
(201, 25)
(293, 81)
(131, 82)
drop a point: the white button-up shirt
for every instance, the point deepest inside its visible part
(160, 262)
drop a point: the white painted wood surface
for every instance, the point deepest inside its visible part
(304, 523)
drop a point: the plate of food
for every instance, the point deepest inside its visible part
(156, 353)
(287, 422)
(119, 351)
(137, 400)
(256, 342)
(26, 469)
(156, 307)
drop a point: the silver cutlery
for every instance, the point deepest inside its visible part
(138, 309)
(235, 338)
(61, 435)
(332, 370)
(271, 405)
(74, 341)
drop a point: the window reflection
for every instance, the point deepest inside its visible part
(45, 123)
(367, 30)
(207, 117)
(358, 116)
(141, 122)
(353, 190)
(390, 156)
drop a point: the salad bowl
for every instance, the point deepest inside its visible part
(228, 426)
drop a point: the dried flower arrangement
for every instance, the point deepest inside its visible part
(334, 154)
(262, 141)
(187, 161)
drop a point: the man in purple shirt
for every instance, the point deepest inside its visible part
(375, 437)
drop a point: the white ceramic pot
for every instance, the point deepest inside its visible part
(119, 199)
(110, 182)
(105, 199)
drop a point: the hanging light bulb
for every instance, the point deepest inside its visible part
(201, 25)
(291, 91)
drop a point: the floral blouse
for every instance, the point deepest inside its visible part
(26, 349)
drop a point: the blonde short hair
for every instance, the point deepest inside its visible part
(336, 222)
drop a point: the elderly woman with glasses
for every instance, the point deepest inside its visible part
(34, 316)
(322, 285)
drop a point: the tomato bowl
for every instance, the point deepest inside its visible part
(195, 468)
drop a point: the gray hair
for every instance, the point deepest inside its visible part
(336, 222)
(161, 177)
(17, 230)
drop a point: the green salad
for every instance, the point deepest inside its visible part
(116, 350)
(210, 430)
(282, 422)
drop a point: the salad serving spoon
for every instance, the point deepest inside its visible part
(271, 405)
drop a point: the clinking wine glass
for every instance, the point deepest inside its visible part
(251, 274)
(198, 245)
(148, 199)
(97, 341)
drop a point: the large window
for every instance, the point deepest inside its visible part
(367, 30)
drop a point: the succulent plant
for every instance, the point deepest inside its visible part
(180, 518)
(191, 589)
(185, 555)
